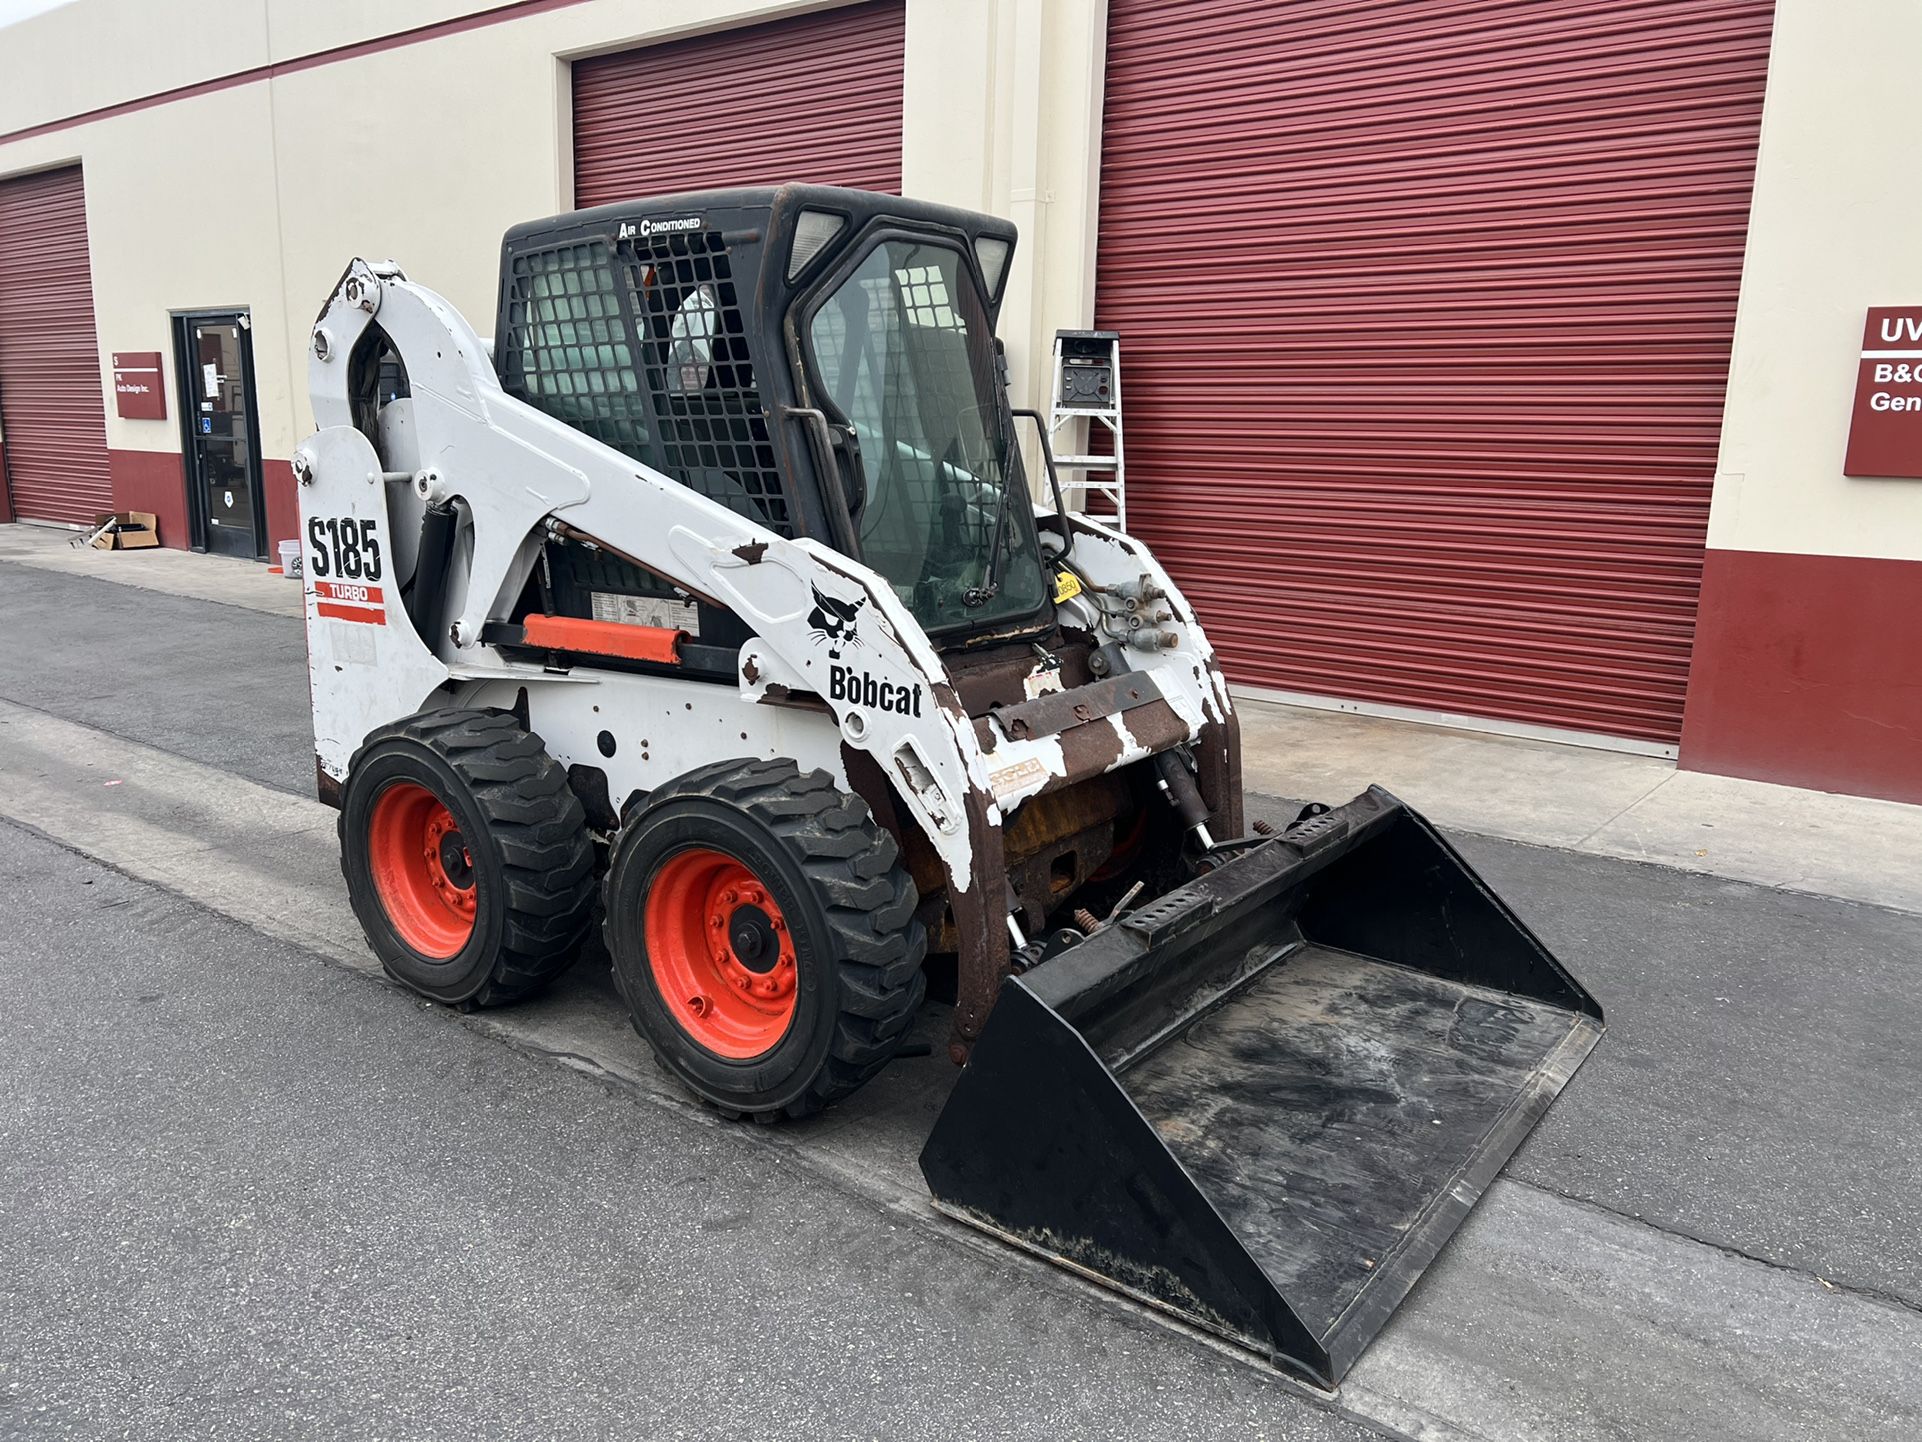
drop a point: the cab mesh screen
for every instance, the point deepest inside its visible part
(567, 349)
(711, 430)
(644, 350)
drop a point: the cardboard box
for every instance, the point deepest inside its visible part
(125, 531)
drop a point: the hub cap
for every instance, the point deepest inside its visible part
(721, 953)
(422, 869)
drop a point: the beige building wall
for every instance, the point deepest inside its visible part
(259, 193)
(157, 178)
(1004, 115)
(87, 56)
(1836, 227)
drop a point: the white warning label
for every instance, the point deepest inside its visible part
(647, 611)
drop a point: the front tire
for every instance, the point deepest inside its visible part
(763, 936)
(467, 858)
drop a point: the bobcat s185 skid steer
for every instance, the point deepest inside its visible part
(715, 593)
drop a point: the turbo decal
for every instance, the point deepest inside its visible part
(350, 601)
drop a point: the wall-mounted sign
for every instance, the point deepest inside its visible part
(1885, 432)
(138, 394)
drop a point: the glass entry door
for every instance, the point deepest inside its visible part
(223, 435)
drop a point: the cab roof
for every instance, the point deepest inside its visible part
(736, 206)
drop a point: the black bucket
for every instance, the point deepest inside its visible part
(1266, 1100)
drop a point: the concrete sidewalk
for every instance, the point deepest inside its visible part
(225, 579)
(1605, 803)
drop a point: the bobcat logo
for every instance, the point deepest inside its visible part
(834, 622)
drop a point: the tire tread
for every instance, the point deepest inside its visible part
(540, 828)
(868, 898)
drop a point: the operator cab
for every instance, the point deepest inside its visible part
(819, 360)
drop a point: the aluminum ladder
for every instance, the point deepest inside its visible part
(1086, 386)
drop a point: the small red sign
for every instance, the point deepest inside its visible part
(138, 391)
(1885, 431)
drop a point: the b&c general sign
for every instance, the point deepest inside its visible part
(1885, 431)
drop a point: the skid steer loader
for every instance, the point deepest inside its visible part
(713, 593)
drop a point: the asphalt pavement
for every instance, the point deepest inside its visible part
(220, 684)
(276, 1191)
(253, 1195)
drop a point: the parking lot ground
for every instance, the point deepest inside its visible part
(1714, 1233)
(252, 1195)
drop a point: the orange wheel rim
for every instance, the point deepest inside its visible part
(423, 869)
(721, 953)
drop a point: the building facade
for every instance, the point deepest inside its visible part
(1484, 362)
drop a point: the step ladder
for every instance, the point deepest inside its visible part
(1087, 388)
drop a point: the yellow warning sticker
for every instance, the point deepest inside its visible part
(1067, 585)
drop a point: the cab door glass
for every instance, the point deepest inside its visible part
(905, 354)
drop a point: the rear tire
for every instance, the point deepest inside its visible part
(467, 858)
(763, 935)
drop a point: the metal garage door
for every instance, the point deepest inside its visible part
(815, 98)
(1426, 309)
(53, 426)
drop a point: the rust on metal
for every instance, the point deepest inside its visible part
(778, 695)
(943, 694)
(996, 676)
(981, 958)
(1051, 846)
(1059, 710)
(1218, 764)
(326, 787)
(1097, 747)
(1057, 841)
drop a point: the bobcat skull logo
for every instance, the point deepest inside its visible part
(834, 622)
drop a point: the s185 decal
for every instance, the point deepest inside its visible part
(345, 547)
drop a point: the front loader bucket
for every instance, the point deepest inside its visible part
(1265, 1101)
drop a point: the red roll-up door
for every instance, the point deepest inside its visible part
(1426, 308)
(815, 98)
(53, 428)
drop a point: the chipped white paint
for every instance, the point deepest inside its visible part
(509, 470)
